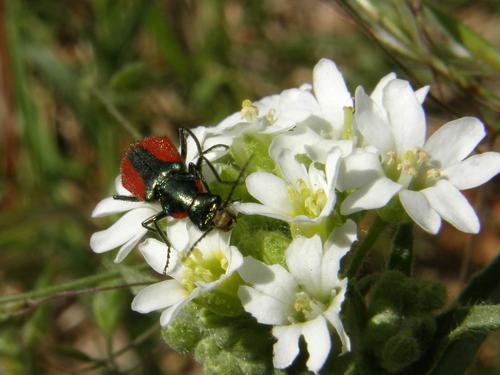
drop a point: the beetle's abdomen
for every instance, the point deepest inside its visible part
(145, 161)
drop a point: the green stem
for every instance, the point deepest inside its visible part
(366, 244)
(69, 286)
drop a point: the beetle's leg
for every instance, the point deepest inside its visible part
(201, 153)
(128, 198)
(193, 169)
(183, 143)
(153, 220)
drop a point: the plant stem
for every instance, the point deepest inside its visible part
(71, 285)
(366, 244)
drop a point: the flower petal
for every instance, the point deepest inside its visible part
(303, 258)
(332, 314)
(473, 171)
(420, 211)
(127, 247)
(371, 123)
(155, 254)
(286, 349)
(453, 141)
(171, 312)
(331, 92)
(158, 296)
(110, 206)
(343, 237)
(272, 280)
(421, 93)
(270, 190)
(378, 91)
(292, 170)
(127, 227)
(359, 169)
(263, 307)
(453, 207)
(259, 209)
(318, 342)
(406, 116)
(375, 195)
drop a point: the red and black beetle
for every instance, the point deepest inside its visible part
(153, 170)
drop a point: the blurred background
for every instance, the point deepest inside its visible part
(70, 69)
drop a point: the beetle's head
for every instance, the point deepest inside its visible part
(224, 219)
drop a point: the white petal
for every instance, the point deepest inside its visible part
(332, 314)
(270, 190)
(343, 237)
(375, 195)
(418, 208)
(318, 342)
(295, 140)
(303, 258)
(452, 206)
(406, 116)
(331, 91)
(259, 209)
(292, 170)
(263, 307)
(332, 167)
(158, 296)
(359, 169)
(155, 253)
(473, 171)
(110, 206)
(171, 312)
(421, 93)
(285, 350)
(453, 141)
(272, 280)
(378, 91)
(127, 227)
(127, 247)
(371, 123)
(338, 244)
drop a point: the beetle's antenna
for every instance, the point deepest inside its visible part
(236, 183)
(198, 241)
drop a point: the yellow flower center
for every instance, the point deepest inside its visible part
(307, 201)
(249, 112)
(414, 169)
(200, 269)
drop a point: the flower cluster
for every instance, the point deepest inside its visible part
(318, 157)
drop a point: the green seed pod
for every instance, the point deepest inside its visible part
(400, 352)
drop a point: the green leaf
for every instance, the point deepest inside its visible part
(475, 43)
(402, 250)
(469, 326)
(484, 286)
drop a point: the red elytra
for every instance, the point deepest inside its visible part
(161, 148)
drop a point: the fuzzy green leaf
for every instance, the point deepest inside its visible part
(467, 327)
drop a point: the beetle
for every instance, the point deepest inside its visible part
(153, 170)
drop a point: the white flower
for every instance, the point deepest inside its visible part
(304, 299)
(426, 175)
(303, 196)
(325, 128)
(209, 264)
(127, 231)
